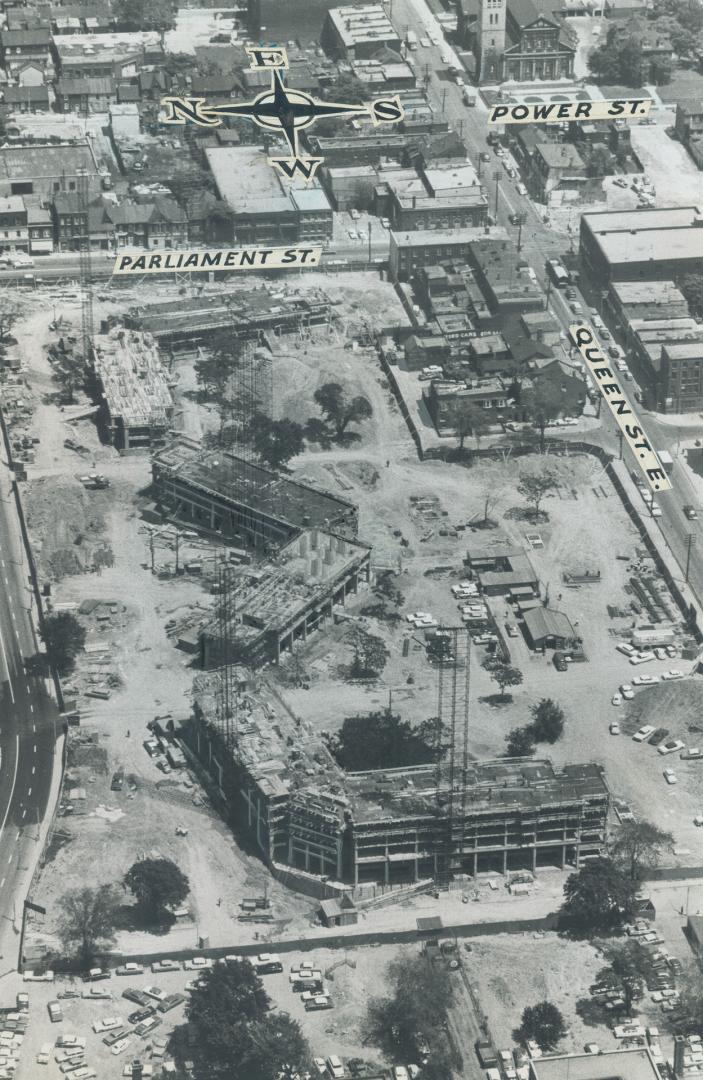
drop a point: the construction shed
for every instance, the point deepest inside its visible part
(548, 629)
(339, 912)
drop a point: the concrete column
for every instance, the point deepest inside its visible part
(307, 856)
(475, 865)
(534, 859)
(577, 856)
(386, 870)
(505, 862)
(563, 856)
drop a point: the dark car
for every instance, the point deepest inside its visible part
(114, 1036)
(559, 661)
(141, 1014)
(137, 996)
(658, 736)
(170, 1002)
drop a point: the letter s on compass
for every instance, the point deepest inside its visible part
(386, 110)
(194, 110)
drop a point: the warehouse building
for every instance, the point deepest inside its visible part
(642, 245)
(358, 31)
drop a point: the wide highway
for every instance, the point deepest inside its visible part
(29, 726)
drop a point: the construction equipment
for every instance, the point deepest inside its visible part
(453, 754)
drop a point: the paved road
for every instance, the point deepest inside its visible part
(29, 723)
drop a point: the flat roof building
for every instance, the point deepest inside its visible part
(356, 31)
(411, 250)
(267, 207)
(439, 196)
(646, 245)
(634, 1064)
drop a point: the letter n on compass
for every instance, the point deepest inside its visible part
(193, 110)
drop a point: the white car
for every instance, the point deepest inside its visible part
(645, 680)
(108, 1024)
(670, 776)
(197, 963)
(616, 699)
(335, 1067)
(614, 728)
(674, 673)
(642, 657)
(166, 965)
(626, 648)
(119, 1047)
(435, 39)
(671, 746)
(521, 189)
(320, 1065)
(627, 692)
(661, 654)
(643, 733)
(446, 57)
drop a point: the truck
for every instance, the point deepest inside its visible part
(666, 460)
(649, 637)
(411, 40)
(557, 273)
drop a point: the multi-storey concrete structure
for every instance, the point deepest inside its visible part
(243, 502)
(133, 382)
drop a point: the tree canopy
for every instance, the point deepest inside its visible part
(628, 966)
(86, 925)
(382, 740)
(275, 441)
(64, 637)
(691, 286)
(157, 884)
(502, 673)
(520, 742)
(598, 897)
(339, 411)
(238, 1038)
(547, 721)
(369, 654)
(544, 402)
(467, 418)
(544, 1023)
(638, 845)
(157, 15)
(534, 489)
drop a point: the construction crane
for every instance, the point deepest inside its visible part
(85, 266)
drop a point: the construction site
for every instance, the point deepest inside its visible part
(457, 818)
(134, 387)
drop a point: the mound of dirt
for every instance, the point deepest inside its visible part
(66, 527)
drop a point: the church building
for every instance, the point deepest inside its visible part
(514, 41)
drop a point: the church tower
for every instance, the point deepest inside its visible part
(491, 40)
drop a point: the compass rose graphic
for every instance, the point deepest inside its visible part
(279, 109)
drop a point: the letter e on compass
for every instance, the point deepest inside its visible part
(266, 58)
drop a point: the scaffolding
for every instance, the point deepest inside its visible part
(226, 698)
(452, 768)
(85, 268)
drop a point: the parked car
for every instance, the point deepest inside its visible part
(335, 1067)
(171, 1002)
(129, 969)
(614, 728)
(643, 733)
(690, 512)
(137, 996)
(145, 1028)
(108, 1023)
(141, 1014)
(165, 965)
(671, 746)
(115, 1036)
(670, 776)
(616, 699)
(627, 692)
(626, 648)
(673, 673)
(55, 1012)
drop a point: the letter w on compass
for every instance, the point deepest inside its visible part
(279, 109)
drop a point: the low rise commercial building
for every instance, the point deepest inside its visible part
(508, 288)
(357, 31)
(632, 1064)
(442, 399)
(630, 300)
(645, 245)
(440, 196)
(85, 94)
(410, 251)
(44, 170)
(557, 166)
(14, 230)
(672, 384)
(266, 207)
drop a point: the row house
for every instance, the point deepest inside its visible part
(89, 94)
(14, 234)
(157, 225)
(26, 99)
(19, 47)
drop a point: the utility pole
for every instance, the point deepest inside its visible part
(369, 242)
(151, 550)
(521, 220)
(177, 538)
(444, 99)
(496, 177)
(549, 292)
(620, 441)
(690, 541)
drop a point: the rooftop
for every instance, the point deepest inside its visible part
(545, 622)
(248, 184)
(242, 482)
(636, 1064)
(440, 238)
(133, 378)
(36, 162)
(358, 24)
(559, 155)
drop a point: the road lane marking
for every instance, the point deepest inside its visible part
(29, 791)
(34, 768)
(34, 749)
(31, 708)
(14, 781)
(24, 814)
(7, 667)
(2, 883)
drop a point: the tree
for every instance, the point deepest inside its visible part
(547, 721)
(544, 1023)
(156, 884)
(415, 1009)
(541, 404)
(237, 1037)
(502, 673)
(275, 441)
(385, 586)
(619, 61)
(87, 921)
(70, 370)
(687, 1017)
(382, 740)
(520, 742)
(627, 971)
(339, 412)
(598, 897)
(691, 286)
(145, 14)
(536, 488)
(64, 638)
(369, 654)
(600, 162)
(638, 846)
(467, 418)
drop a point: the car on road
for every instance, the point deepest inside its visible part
(673, 673)
(645, 680)
(614, 728)
(616, 699)
(129, 969)
(614, 352)
(670, 776)
(690, 512)
(643, 733)
(671, 746)
(521, 189)
(445, 57)
(484, 156)
(165, 965)
(385, 223)
(570, 292)
(576, 307)
(55, 1012)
